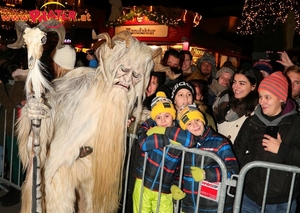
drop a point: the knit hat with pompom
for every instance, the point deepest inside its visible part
(161, 104)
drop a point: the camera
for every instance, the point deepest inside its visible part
(271, 55)
(274, 56)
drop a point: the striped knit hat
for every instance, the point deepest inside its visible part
(277, 84)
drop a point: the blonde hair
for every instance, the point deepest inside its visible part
(293, 68)
(59, 71)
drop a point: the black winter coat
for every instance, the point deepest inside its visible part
(248, 147)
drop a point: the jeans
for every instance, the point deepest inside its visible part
(249, 206)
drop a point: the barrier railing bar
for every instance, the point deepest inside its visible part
(260, 164)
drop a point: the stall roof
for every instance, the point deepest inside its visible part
(215, 44)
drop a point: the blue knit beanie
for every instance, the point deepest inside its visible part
(263, 65)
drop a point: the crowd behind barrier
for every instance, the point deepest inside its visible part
(217, 192)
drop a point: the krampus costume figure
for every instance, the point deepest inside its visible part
(83, 124)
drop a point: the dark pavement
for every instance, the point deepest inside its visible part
(12, 209)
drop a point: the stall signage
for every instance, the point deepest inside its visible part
(40, 16)
(144, 30)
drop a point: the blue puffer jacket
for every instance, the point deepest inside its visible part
(216, 143)
(154, 145)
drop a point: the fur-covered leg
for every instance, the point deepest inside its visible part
(82, 169)
(27, 192)
(60, 191)
(85, 191)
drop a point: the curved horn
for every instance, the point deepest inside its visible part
(124, 35)
(20, 27)
(94, 35)
(105, 36)
(53, 25)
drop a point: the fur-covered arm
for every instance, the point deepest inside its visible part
(145, 114)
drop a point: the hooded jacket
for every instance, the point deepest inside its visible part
(210, 59)
(248, 147)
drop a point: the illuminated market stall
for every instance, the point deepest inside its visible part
(172, 27)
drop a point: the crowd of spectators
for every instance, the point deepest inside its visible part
(228, 103)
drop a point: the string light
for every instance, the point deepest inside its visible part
(149, 14)
(259, 13)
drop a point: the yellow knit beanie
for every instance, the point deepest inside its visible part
(188, 113)
(162, 104)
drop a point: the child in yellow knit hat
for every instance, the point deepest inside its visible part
(162, 110)
(153, 135)
(192, 120)
(162, 114)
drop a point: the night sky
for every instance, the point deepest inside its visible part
(207, 8)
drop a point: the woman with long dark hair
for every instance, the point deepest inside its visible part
(234, 105)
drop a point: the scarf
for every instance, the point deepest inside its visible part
(223, 111)
(216, 88)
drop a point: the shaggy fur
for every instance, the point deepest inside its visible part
(87, 108)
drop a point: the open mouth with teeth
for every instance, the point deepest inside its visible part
(122, 85)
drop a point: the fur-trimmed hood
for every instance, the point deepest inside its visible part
(210, 59)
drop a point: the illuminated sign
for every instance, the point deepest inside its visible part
(52, 2)
(60, 15)
(144, 30)
(40, 16)
(68, 41)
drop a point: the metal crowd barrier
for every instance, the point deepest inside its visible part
(269, 166)
(237, 180)
(223, 191)
(6, 172)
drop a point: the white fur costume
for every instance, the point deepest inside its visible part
(86, 108)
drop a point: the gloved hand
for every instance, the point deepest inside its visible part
(174, 142)
(177, 193)
(156, 130)
(197, 173)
